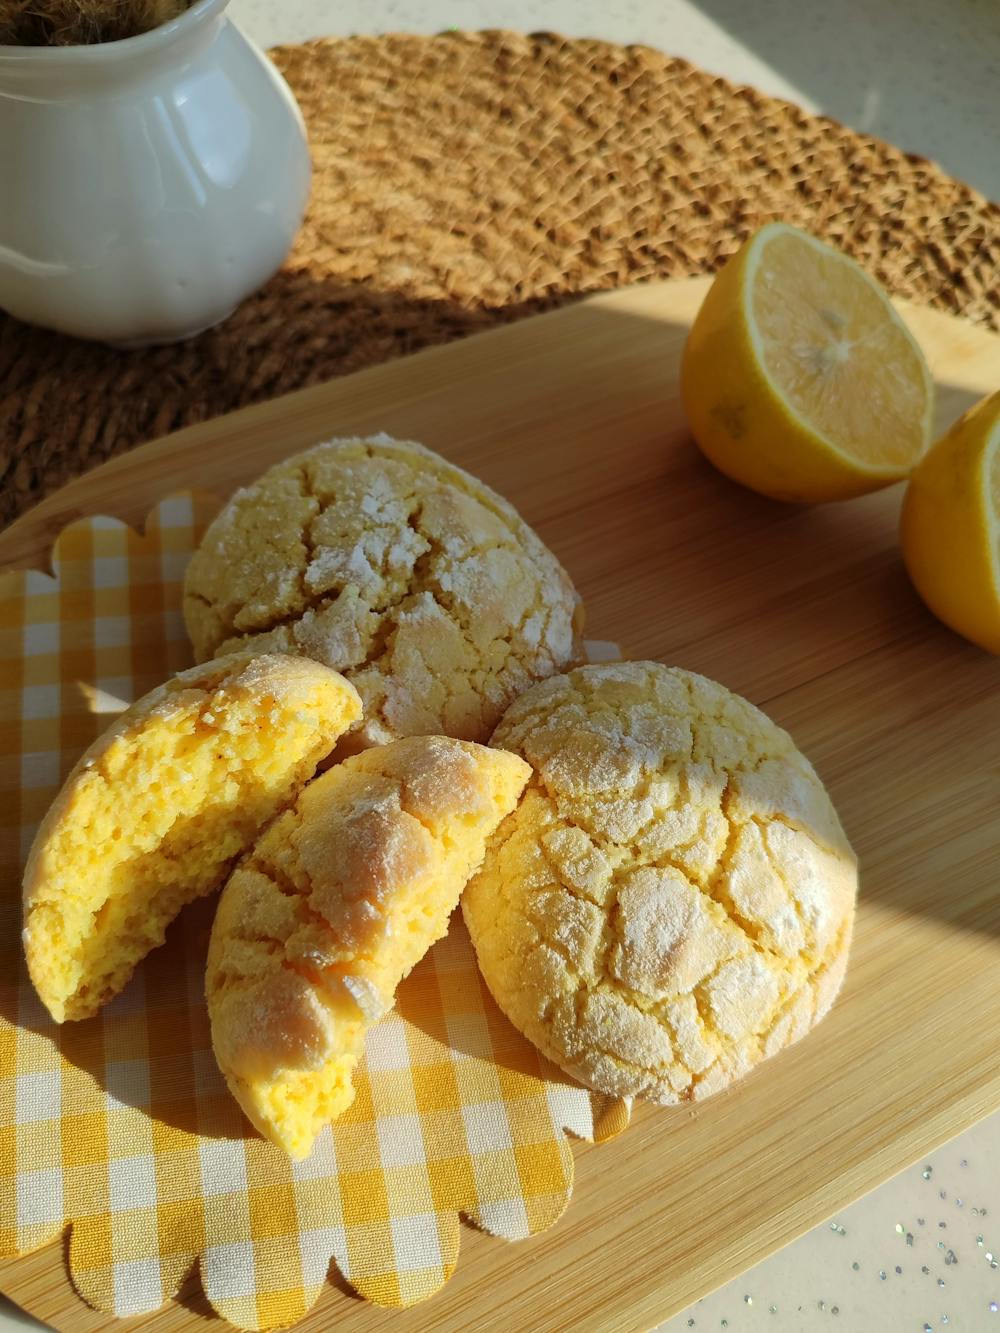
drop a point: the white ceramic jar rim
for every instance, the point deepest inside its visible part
(102, 53)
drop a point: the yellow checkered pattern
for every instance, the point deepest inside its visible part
(122, 1124)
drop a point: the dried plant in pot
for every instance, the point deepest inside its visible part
(81, 22)
(154, 166)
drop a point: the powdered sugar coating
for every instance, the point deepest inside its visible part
(339, 899)
(419, 583)
(672, 901)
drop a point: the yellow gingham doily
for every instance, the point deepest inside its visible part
(122, 1126)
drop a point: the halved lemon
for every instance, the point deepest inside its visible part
(951, 526)
(799, 378)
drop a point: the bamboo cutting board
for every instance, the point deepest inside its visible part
(575, 417)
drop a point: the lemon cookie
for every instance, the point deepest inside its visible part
(343, 894)
(377, 557)
(672, 900)
(157, 809)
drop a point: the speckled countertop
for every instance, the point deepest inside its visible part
(921, 1253)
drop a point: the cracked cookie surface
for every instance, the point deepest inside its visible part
(340, 898)
(384, 561)
(672, 900)
(158, 809)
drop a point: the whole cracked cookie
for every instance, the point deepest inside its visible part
(379, 558)
(672, 900)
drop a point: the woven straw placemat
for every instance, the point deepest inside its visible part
(466, 180)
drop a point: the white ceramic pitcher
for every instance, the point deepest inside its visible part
(147, 185)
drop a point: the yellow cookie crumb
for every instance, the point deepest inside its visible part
(158, 808)
(672, 900)
(343, 894)
(379, 558)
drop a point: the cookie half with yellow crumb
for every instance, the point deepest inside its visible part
(413, 578)
(340, 898)
(672, 901)
(159, 807)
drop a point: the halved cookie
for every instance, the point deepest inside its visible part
(340, 898)
(158, 809)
